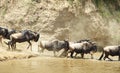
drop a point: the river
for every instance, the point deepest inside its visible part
(44, 64)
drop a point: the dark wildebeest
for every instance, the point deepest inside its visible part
(83, 48)
(110, 50)
(5, 33)
(54, 46)
(23, 36)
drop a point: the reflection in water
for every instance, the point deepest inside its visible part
(59, 65)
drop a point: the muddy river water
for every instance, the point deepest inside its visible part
(59, 65)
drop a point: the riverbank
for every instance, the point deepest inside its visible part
(9, 55)
(20, 53)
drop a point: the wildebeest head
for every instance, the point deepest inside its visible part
(36, 37)
(10, 32)
(93, 47)
(29, 35)
(85, 45)
(3, 31)
(66, 45)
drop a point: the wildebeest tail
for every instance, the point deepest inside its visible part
(101, 56)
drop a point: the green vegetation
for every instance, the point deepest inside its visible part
(108, 8)
(70, 1)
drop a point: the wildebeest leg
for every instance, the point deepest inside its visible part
(42, 50)
(75, 54)
(40, 46)
(106, 56)
(91, 53)
(109, 59)
(8, 47)
(14, 46)
(82, 55)
(29, 45)
(54, 51)
(101, 55)
(91, 56)
(69, 51)
(9, 44)
(63, 54)
(39, 49)
(12, 43)
(71, 55)
(1, 40)
(119, 56)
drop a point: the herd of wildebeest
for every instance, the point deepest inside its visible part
(79, 47)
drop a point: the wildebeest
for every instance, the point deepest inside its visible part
(23, 36)
(5, 33)
(83, 41)
(54, 46)
(83, 48)
(10, 32)
(110, 50)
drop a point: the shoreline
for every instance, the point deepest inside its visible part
(10, 55)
